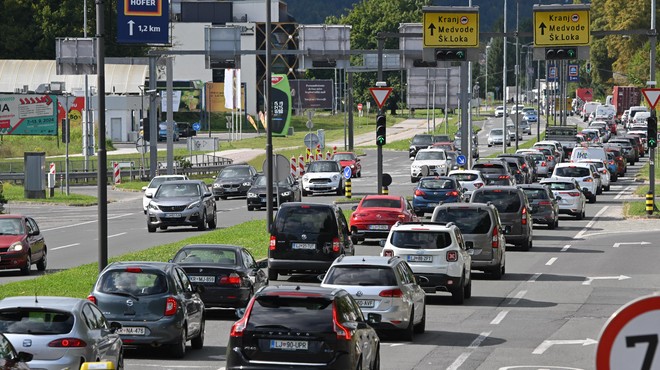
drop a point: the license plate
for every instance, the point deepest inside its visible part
(132, 330)
(303, 246)
(172, 215)
(416, 258)
(231, 190)
(202, 279)
(289, 345)
(379, 227)
(432, 204)
(367, 303)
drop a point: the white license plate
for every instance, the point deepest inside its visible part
(367, 303)
(379, 227)
(432, 204)
(231, 190)
(416, 258)
(289, 345)
(132, 330)
(172, 215)
(303, 246)
(202, 279)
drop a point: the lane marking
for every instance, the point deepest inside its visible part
(533, 278)
(86, 222)
(623, 192)
(551, 261)
(565, 247)
(64, 246)
(112, 236)
(517, 297)
(500, 316)
(464, 356)
(591, 223)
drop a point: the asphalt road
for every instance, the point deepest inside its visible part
(546, 313)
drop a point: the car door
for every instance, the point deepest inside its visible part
(192, 301)
(344, 233)
(207, 198)
(412, 290)
(106, 345)
(256, 275)
(35, 238)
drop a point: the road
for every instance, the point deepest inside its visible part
(546, 313)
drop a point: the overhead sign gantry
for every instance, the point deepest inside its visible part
(562, 32)
(450, 33)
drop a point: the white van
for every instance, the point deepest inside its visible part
(633, 111)
(588, 108)
(589, 152)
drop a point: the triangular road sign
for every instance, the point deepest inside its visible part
(652, 96)
(380, 94)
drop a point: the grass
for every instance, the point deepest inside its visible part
(14, 193)
(637, 208)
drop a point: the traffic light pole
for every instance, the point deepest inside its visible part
(379, 160)
(652, 42)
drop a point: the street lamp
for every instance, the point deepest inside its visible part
(487, 51)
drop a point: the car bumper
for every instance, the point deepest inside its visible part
(321, 187)
(364, 231)
(432, 283)
(261, 201)
(230, 192)
(571, 207)
(225, 297)
(284, 266)
(12, 261)
(161, 332)
(70, 361)
(395, 317)
(184, 218)
(236, 360)
(543, 216)
(437, 171)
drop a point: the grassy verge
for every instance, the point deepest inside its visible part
(637, 208)
(16, 193)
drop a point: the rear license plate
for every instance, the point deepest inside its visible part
(366, 303)
(416, 258)
(172, 215)
(432, 204)
(202, 279)
(132, 330)
(378, 227)
(289, 345)
(303, 246)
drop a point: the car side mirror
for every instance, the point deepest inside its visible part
(208, 194)
(149, 195)
(262, 264)
(144, 188)
(585, 190)
(558, 197)
(354, 208)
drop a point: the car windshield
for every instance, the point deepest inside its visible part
(11, 226)
(361, 276)
(261, 181)
(323, 167)
(505, 201)
(228, 173)
(206, 255)
(35, 321)
(469, 220)
(380, 203)
(496, 132)
(344, 157)
(560, 185)
(572, 171)
(422, 140)
(436, 184)
(312, 314)
(156, 181)
(306, 219)
(420, 240)
(430, 156)
(177, 190)
(137, 283)
(533, 194)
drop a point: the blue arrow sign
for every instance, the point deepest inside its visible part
(196, 126)
(461, 160)
(143, 22)
(347, 172)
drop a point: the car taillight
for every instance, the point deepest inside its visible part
(67, 343)
(524, 165)
(170, 306)
(544, 164)
(503, 177)
(92, 299)
(231, 279)
(545, 203)
(134, 269)
(574, 193)
(452, 256)
(419, 193)
(478, 184)
(587, 179)
(495, 243)
(335, 245)
(388, 253)
(240, 325)
(551, 158)
(523, 220)
(342, 332)
(604, 171)
(452, 193)
(273, 242)
(391, 293)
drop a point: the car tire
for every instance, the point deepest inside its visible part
(202, 223)
(420, 327)
(272, 275)
(580, 216)
(599, 191)
(305, 193)
(178, 349)
(592, 199)
(198, 341)
(607, 188)
(359, 174)
(408, 334)
(552, 225)
(217, 198)
(151, 229)
(458, 295)
(25, 270)
(339, 190)
(497, 272)
(526, 245)
(468, 290)
(213, 222)
(43, 262)
(224, 197)
(250, 208)
(163, 227)
(376, 365)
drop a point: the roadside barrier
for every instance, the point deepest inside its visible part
(294, 167)
(347, 188)
(116, 171)
(301, 165)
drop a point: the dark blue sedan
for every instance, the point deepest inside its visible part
(431, 191)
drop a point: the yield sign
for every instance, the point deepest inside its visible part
(652, 96)
(380, 94)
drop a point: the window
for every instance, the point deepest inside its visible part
(431, 156)
(136, 283)
(465, 176)
(100, 319)
(422, 140)
(311, 313)
(468, 220)
(310, 220)
(572, 172)
(380, 203)
(7, 352)
(420, 239)
(437, 184)
(90, 319)
(35, 321)
(361, 276)
(533, 194)
(185, 282)
(504, 201)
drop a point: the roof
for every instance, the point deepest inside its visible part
(555, 179)
(213, 246)
(423, 226)
(364, 260)
(11, 216)
(380, 196)
(297, 290)
(62, 303)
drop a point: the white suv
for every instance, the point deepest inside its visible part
(583, 173)
(434, 159)
(437, 255)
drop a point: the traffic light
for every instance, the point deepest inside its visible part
(146, 129)
(588, 67)
(560, 53)
(450, 54)
(652, 132)
(381, 130)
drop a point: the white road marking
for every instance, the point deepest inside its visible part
(112, 236)
(591, 223)
(397, 344)
(551, 261)
(517, 297)
(591, 279)
(549, 343)
(500, 316)
(565, 248)
(85, 223)
(534, 277)
(464, 356)
(64, 246)
(623, 192)
(617, 245)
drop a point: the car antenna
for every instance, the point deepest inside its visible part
(36, 300)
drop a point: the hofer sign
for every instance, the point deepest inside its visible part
(28, 115)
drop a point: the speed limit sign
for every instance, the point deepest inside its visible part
(630, 338)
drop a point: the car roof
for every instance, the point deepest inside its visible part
(366, 260)
(377, 196)
(60, 303)
(213, 246)
(298, 290)
(345, 153)
(435, 149)
(497, 187)
(17, 216)
(476, 172)
(572, 164)
(423, 226)
(164, 266)
(555, 179)
(305, 205)
(532, 186)
(465, 205)
(182, 182)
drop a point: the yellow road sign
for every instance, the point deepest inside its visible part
(561, 27)
(451, 29)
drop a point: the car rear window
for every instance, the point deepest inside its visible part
(415, 239)
(361, 275)
(311, 313)
(469, 220)
(205, 255)
(533, 194)
(381, 203)
(560, 185)
(136, 283)
(465, 176)
(431, 156)
(422, 140)
(305, 218)
(436, 184)
(489, 167)
(572, 172)
(505, 201)
(35, 321)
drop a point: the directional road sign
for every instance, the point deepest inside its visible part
(561, 25)
(461, 160)
(196, 126)
(573, 73)
(380, 94)
(143, 22)
(347, 172)
(450, 27)
(652, 96)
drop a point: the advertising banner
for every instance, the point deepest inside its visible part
(28, 115)
(311, 94)
(281, 106)
(215, 97)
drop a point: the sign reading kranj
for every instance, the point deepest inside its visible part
(451, 27)
(561, 25)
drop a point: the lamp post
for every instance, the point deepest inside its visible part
(487, 51)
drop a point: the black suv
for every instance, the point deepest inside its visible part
(287, 327)
(418, 142)
(494, 171)
(521, 169)
(307, 237)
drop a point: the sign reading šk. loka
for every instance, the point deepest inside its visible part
(561, 25)
(449, 26)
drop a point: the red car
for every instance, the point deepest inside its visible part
(21, 244)
(375, 214)
(349, 159)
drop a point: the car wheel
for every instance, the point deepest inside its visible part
(224, 197)
(213, 222)
(120, 360)
(607, 188)
(497, 272)
(272, 275)
(614, 179)
(552, 224)
(420, 328)
(592, 199)
(202, 222)
(217, 198)
(151, 229)
(376, 365)
(599, 191)
(198, 341)
(250, 208)
(359, 174)
(408, 334)
(468, 289)
(580, 215)
(179, 348)
(526, 245)
(339, 189)
(458, 294)
(43, 262)
(25, 270)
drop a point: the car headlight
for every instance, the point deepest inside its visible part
(305, 178)
(153, 206)
(16, 247)
(194, 204)
(335, 177)
(216, 185)
(352, 166)
(247, 184)
(286, 194)
(251, 195)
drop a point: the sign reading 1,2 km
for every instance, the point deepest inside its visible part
(557, 25)
(451, 27)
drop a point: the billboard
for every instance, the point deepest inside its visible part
(215, 97)
(311, 94)
(28, 114)
(281, 105)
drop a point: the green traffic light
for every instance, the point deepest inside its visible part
(380, 140)
(460, 54)
(571, 52)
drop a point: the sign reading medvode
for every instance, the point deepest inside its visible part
(450, 26)
(561, 25)
(28, 115)
(143, 22)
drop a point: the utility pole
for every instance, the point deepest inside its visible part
(379, 152)
(517, 71)
(102, 178)
(504, 133)
(269, 129)
(652, 41)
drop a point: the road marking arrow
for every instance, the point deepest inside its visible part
(617, 245)
(549, 343)
(431, 27)
(130, 27)
(590, 279)
(542, 27)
